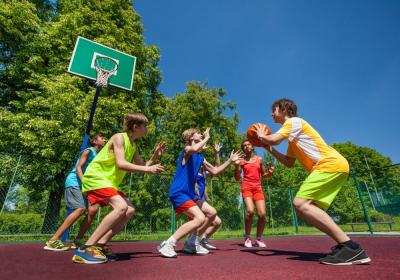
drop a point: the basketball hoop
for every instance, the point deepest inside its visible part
(105, 67)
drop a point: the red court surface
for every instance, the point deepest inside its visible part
(285, 258)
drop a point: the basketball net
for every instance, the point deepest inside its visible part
(105, 67)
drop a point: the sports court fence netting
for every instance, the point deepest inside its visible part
(363, 205)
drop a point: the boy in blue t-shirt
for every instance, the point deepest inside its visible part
(182, 190)
(75, 200)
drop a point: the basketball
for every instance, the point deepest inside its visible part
(252, 135)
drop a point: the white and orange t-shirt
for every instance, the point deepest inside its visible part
(307, 146)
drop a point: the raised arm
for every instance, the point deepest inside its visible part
(198, 147)
(217, 149)
(216, 170)
(121, 163)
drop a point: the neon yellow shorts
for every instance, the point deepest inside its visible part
(322, 187)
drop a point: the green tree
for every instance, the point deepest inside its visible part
(44, 109)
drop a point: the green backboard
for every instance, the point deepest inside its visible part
(84, 55)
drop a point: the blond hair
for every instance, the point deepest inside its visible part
(188, 134)
(133, 118)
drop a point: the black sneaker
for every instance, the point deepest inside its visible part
(343, 255)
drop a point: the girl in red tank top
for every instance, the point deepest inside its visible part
(252, 193)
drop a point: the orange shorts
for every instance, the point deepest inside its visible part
(255, 194)
(99, 196)
(185, 206)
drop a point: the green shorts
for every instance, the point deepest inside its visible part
(322, 187)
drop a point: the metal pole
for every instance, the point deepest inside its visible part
(369, 194)
(270, 207)
(90, 121)
(366, 216)
(9, 188)
(294, 215)
(129, 197)
(372, 178)
(84, 145)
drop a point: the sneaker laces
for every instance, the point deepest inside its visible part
(335, 249)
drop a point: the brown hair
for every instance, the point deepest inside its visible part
(188, 133)
(286, 105)
(133, 118)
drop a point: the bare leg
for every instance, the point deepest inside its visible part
(120, 224)
(120, 207)
(210, 214)
(248, 201)
(317, 217)
(68, 222)
(198, 220)
(214, 227)
(260, 205)
(92, 211)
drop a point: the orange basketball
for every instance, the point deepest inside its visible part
(252, 135)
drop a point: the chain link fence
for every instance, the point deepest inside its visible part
(27, 214)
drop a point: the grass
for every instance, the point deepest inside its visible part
(221, 234)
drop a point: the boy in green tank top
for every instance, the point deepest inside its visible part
(101, 185)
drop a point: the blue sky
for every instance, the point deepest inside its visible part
(338, 60)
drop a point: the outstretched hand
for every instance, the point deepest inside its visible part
(155, 169)
(160, 148)
(217, 147)
(236, 156)
(206, 133)
(260, 131)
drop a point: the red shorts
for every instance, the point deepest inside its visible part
(100, 195)
(254, 193)
(185, 206)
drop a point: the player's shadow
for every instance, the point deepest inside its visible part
(292, 255)
(131, 255)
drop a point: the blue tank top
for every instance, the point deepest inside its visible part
(72, 177)
(185, 176)
(201, 184)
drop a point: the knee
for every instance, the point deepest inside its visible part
(212, 214)
(249, 213)
(199, 220)
(121, 210)
(300, 204)
(130, 212)
(261, 215)
(80, 211)
(217, 222)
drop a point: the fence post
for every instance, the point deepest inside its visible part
(270, 206)
(294, 215)
(172, 219)
(366, 216)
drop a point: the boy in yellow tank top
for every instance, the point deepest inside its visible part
(101, 185)
(328, 173)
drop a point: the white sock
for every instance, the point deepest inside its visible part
(172, 241)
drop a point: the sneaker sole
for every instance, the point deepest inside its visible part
(78, 259)
(54, 249)
(362, 261)
(168, 256)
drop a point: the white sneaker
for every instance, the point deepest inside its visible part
(166, 250)
(194, 249)
(247, 243)
(260, 243)
(204, 243)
